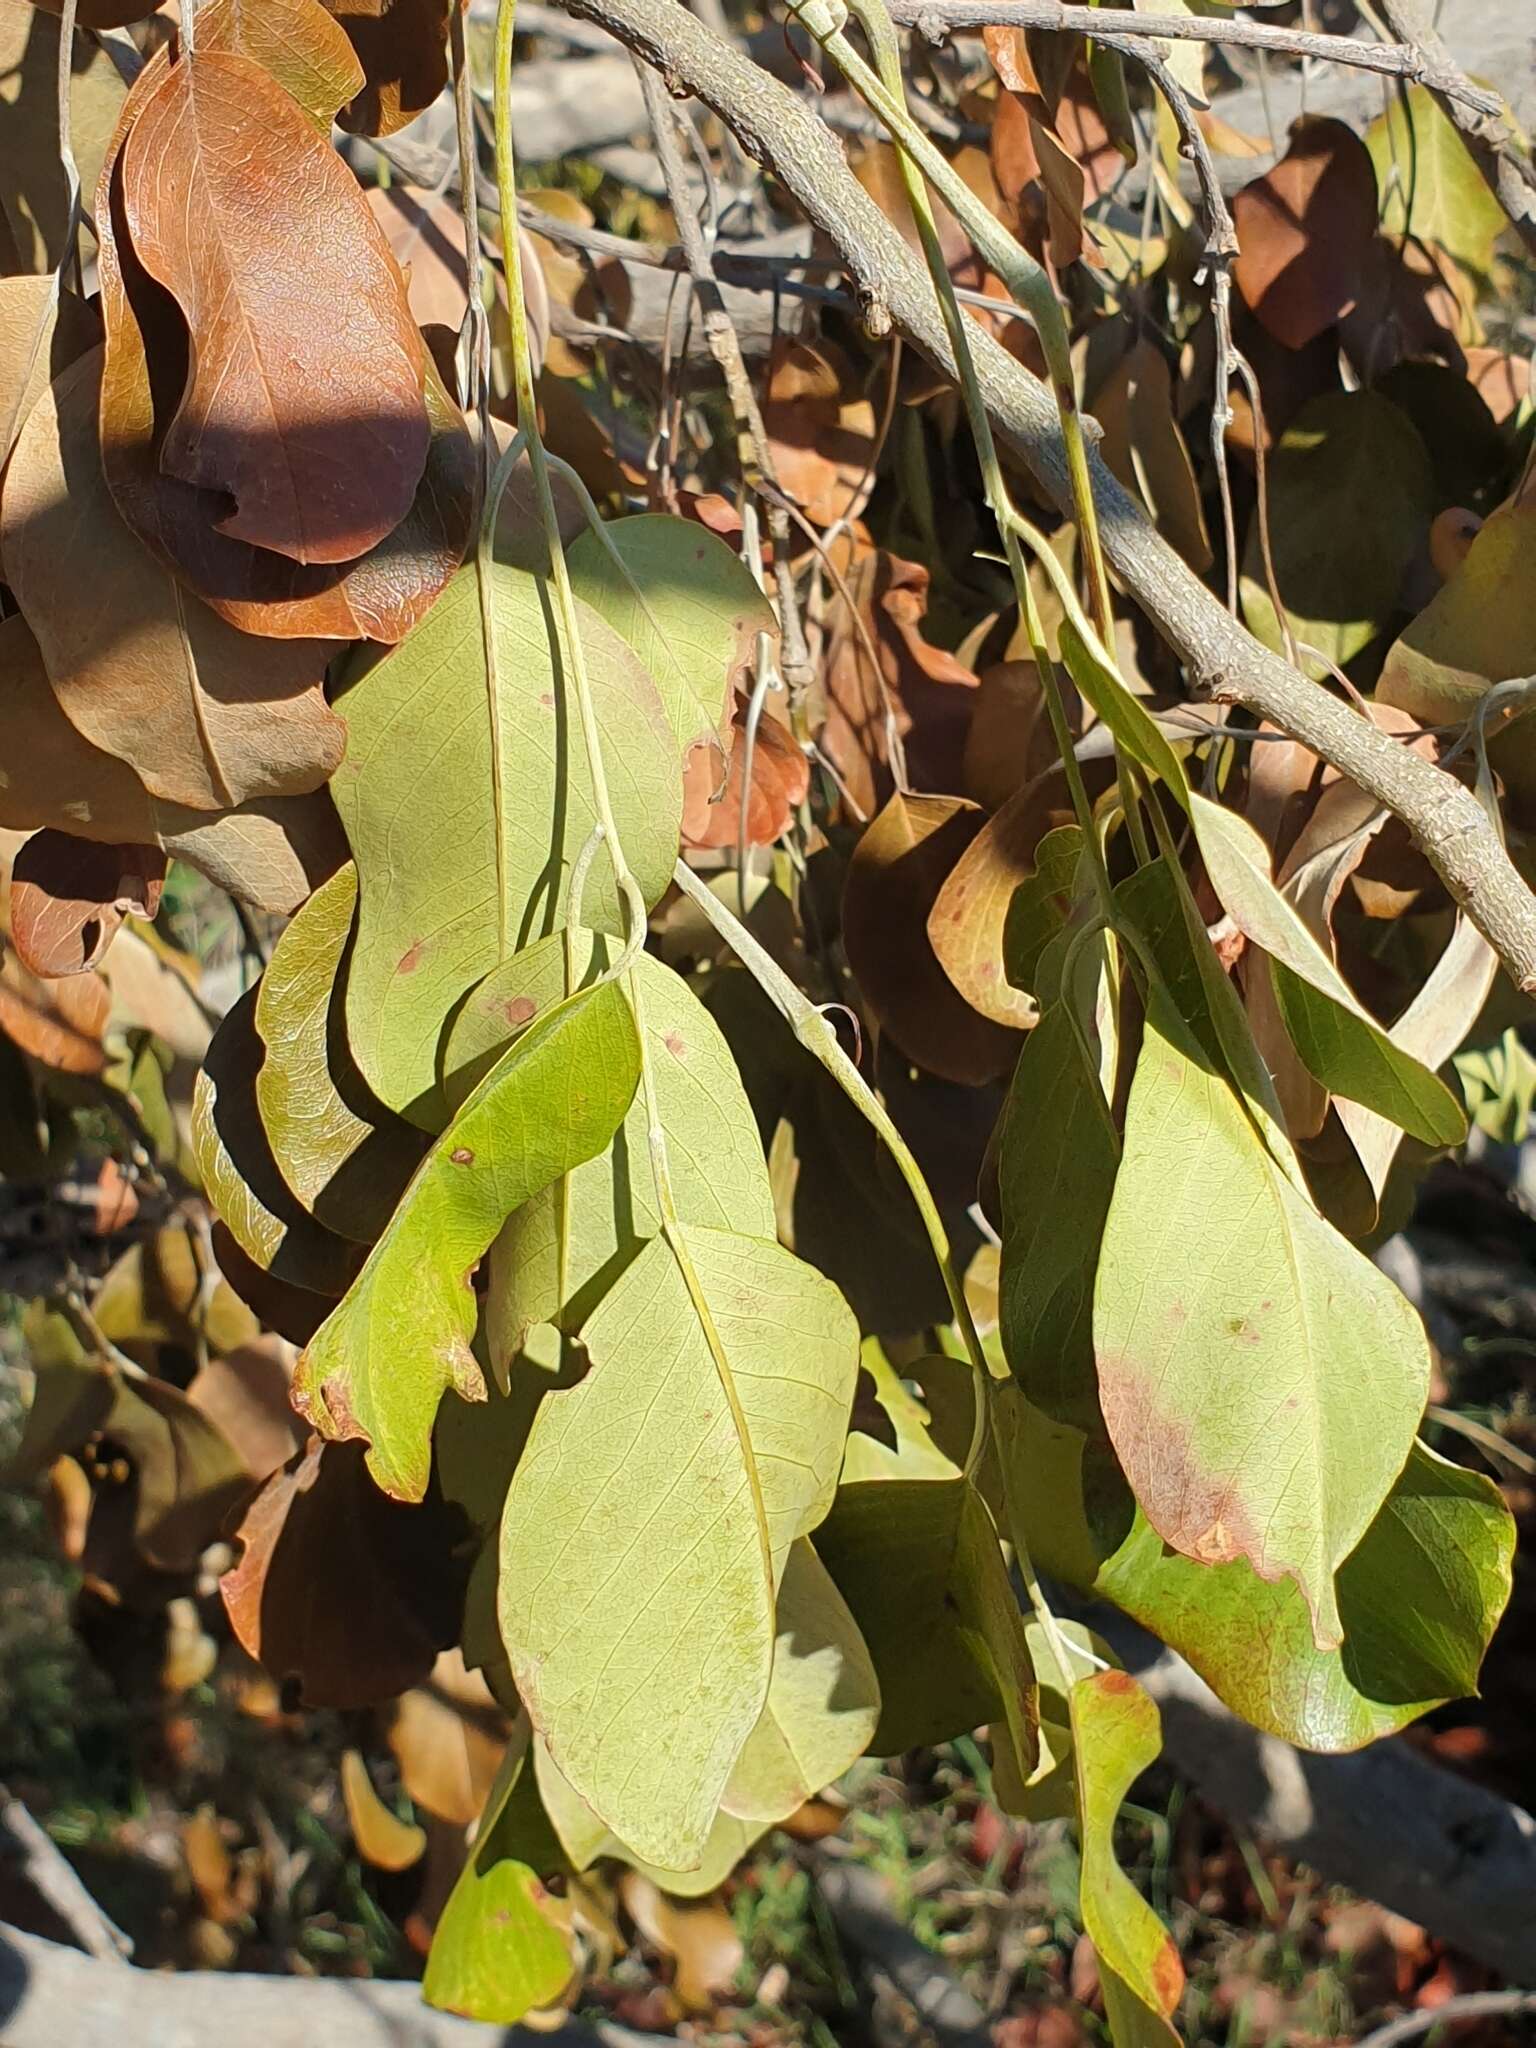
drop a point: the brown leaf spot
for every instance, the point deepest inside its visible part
(462, 1156)
(1115, 1682)
(674, 1044)
(410, 959)
(1168, 1976)
(519, 1009)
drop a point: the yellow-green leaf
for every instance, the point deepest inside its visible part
(382, 1361)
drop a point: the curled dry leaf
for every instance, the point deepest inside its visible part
(965, 925)
(320, 448)
(59, 1023)
(913, 688)
(712, 792)
(1306, 228)
(382, 1838)
(69, 898)
(699, 1935)
(448, 1737)
(366, 1626)
(381, 594)
(823, 440)
(205, 716)
(898, 869)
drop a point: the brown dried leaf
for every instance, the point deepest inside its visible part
(382, 1837)
(57, 1022)
(1011, 60)
(448, 1737)
(206, 716)
(1306, 229)
(245, 1394)
(69, 898)
(402, 46)
(1146, 450)
(781, 776)
(698, 1934)
(366, 1623)
(43, 329)
(319, 446)
(823, 442)
(1502, 381)
(34, 199)
(898, 869)
(965, 925)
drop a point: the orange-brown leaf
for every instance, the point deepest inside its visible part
(206, 717)
(402, 46)
(304, 398)
(1306, 229)
(57, 1022)
(69, 898)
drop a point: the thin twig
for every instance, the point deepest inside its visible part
(1470, 2005)
(938, 18)
(1491, 141)
(53, 1877)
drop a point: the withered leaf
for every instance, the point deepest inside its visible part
(712, 788)
(402, 46)
(255, 226)
(69, 898)
(894, 879)
(34, 195)
(299, 42)
(205, 716)
(43, 329)
(370, 1622)
(59, 1023)
(270, 853)
(1306, 229)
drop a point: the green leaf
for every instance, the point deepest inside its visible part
(1339, 1043)
(1039, 906)
(465, 806)
(901, 1442)
(1058, 1156)
(649, 1518)
(560, 1252)
(379, 1365)
(342, 1153)
(1430, 186)
(1127, 717)
(1116, 1734)
(585, 1839)
(918, 1562)
(696, 631)
(823, 1699)
(1444, 1532)
(1261, 1380)
(1351, 494)
(241, 1177)
(497, 1953)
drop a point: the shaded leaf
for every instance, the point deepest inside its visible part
(345, 1157)
(1261, 1381)
(43, 329)
(970, 913)
(823, 1699)
(1116, 1734)
(203, 715)
(1146, 449)
(69, 898)
(1305, 229)
(34, 197)
(1350, 497)
(365, 1624)
(402, 46)
(701, 1939)
(716, 1442)
(466, 804)
(900, 865)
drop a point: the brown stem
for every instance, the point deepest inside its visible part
(1225, 663)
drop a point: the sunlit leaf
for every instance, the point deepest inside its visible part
(382, 1838)
(709, 1431)
(400, 1339)
(1430, 186)
(465, 806)
(69, 898)
(1261, 1380)
(1306, 228)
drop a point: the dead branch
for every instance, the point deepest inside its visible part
(1224, 661)
(1411, 61)
(52, 1876)
(54, 1997)
(1491, 141)
(1388, 1823)
(1471, 2005)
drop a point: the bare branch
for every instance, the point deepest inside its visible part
(52, 1876)
(1225, 663)
(936, 19)
(1470, 2005)
(1491, 141)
